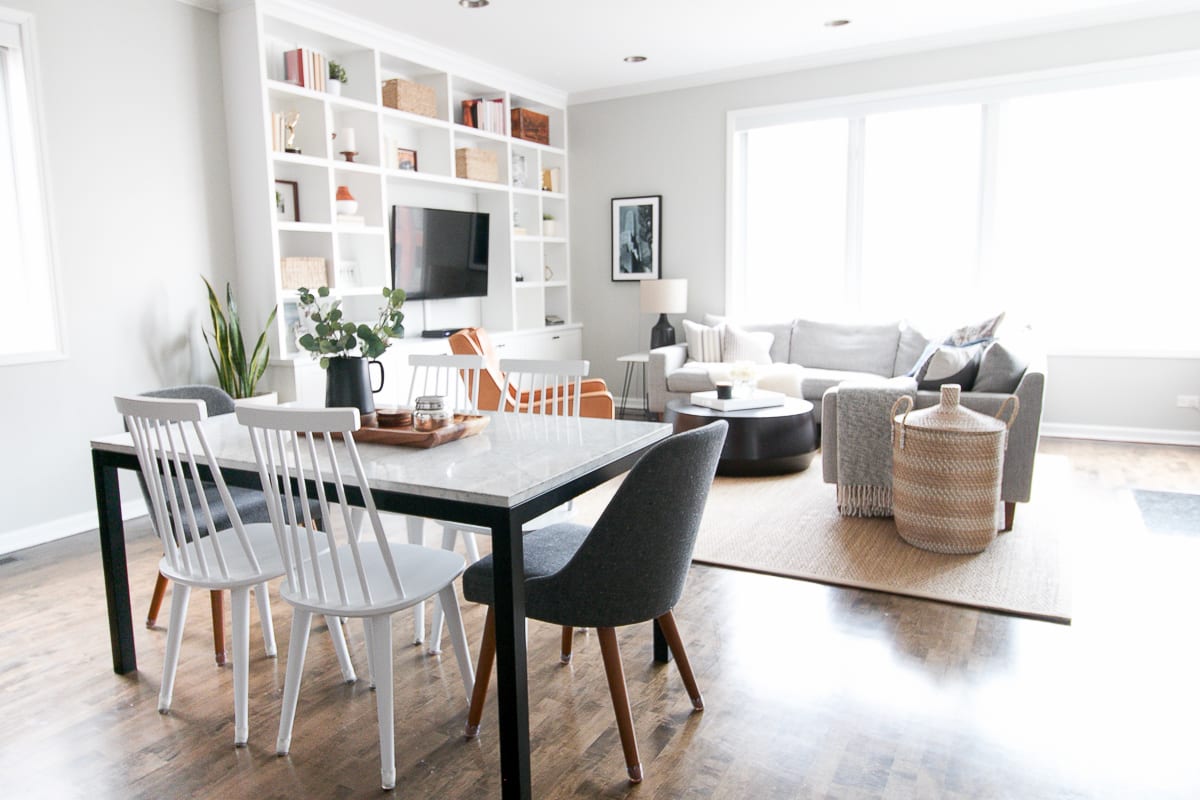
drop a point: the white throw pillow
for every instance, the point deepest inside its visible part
(742, 345)
(703, 341)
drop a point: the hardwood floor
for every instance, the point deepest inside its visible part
(810, 691)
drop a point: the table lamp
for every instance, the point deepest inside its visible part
(662, 298)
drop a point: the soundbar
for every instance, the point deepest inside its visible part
(438, 333)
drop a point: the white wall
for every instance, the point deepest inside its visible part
(135, 134)
(674, 144)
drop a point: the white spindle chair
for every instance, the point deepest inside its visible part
(171, 444)
(551, 383)
(367, 577)
(553, 386)
(456, 378)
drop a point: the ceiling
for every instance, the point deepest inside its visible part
(578, 47)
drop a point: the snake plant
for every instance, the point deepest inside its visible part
(236, 375)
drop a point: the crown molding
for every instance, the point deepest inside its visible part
(206, 5)
(1097, 18)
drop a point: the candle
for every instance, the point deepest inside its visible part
(345, 141)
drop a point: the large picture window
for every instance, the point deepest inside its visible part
(1075, 210)
(30, 326)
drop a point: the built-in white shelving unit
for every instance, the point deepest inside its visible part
(529, 276)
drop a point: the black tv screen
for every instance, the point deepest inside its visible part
(438, 253)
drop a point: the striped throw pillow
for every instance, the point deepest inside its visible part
(703, 341)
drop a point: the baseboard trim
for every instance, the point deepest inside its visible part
(61, 528)
(1113, 433)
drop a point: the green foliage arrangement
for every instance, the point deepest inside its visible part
(337, 72)
(331, 335)
(236, 375)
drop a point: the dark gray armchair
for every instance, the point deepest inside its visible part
(629, 567)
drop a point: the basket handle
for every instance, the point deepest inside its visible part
(900, 424)
(1016, 401)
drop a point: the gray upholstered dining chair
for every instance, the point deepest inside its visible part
(629, 567)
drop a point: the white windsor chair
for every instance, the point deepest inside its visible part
(371, 579)
(171, 444)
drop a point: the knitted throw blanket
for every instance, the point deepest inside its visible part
(864, 447)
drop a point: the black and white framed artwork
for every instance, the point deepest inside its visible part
(637, 238)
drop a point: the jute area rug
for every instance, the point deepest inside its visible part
(789, 526)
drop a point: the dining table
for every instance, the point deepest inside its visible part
(517, 468)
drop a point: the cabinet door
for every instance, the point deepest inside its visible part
(546, 344)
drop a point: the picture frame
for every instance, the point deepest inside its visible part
(287, 201)
(406, 159)
(637, 238)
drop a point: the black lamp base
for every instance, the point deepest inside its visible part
(662, 334)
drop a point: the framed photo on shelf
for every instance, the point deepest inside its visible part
(637, 238)
(287, 201)
(406, 159)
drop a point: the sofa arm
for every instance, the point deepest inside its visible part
(663, 361)
(829, 435)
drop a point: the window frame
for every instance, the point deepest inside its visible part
(989, 93)
(18, 36)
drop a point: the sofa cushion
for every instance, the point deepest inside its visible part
(703, 341)
(909, 351)
(1000, 370)
(816, 381)
(691, 377)
(947, 364)
(782, 331)
(855, 348)
(743, 345)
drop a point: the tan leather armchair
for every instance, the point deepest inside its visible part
(594, 398)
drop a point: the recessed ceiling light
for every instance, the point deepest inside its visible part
(473, 3)
(635, 59)
(837, 23)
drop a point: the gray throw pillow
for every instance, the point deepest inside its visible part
(742, 345)
(1000, 370)
(947, 364)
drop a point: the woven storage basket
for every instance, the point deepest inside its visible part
(306, 271)
(946, 468)
(476, 164)
(411, 97)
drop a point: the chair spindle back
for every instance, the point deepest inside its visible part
(553, 386)
(455, 377)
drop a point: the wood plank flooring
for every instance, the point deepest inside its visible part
(811, 691)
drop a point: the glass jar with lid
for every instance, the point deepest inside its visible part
(430, 413)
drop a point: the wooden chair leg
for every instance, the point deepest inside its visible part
(483, 674)
(1010, 511)
(568, 633)
(675, 641)
(218, 615)
(620, 700)
(160, 589)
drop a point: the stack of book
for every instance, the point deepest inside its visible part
(486, 115)
(306, 68)
(278, 132)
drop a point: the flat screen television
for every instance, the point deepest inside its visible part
(438, 253)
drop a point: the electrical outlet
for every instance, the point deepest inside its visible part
(1188, 401)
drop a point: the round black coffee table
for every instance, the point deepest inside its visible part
(761, 441)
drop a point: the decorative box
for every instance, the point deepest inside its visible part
(411, 97)
(530, 126)
(476, 164)
(306, 271)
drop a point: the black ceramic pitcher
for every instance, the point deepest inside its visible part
(348, 383)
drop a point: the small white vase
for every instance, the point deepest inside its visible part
(548, 227)
(333, 87)
(347, 206)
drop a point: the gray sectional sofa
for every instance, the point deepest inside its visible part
(817, 357)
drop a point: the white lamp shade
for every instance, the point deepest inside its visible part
(664, 297)
(345, 141)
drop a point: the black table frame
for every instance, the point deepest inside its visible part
(507, 553)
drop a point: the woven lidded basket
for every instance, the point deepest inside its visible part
(946, 467)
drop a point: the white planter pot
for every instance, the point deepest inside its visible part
(549, 227)
(333, 87)
(261, 399)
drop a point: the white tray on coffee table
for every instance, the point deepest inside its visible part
(758, 398)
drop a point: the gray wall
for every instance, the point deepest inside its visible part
(135, 134)
(674, 144)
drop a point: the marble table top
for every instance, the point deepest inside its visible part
(514, 458)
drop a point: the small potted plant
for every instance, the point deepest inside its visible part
(548, 226)
(236, 374)
(337, 76)
(346, 348)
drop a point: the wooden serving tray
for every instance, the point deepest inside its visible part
(463, 425)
